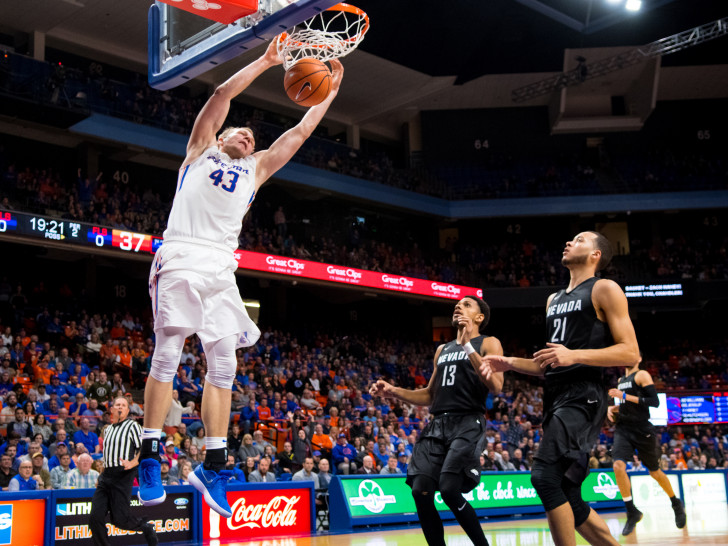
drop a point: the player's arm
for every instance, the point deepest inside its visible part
(490, 346)
(644, 380)
(210, 119)
(611, 306)
(284, 148)
(418, 397)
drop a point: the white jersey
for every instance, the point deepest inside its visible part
(213, 194)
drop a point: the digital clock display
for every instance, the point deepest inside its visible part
(58, 229)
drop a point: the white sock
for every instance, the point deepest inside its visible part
(151, 433)
(215, 442)
(626, 499)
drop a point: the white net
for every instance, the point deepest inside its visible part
(330, 34)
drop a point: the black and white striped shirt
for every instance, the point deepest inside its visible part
(121, 441)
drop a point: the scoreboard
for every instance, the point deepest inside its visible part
(37, 226)
(706, 408)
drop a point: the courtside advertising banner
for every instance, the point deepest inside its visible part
(648, 493)
(368, 497)
(388, 496)
(22, 522)
(262, 512)
(172, 520)
(703, 488)
(600, 486)
(348, 275)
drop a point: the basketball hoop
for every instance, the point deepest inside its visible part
(333, 33)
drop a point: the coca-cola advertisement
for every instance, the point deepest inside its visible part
(262, 511)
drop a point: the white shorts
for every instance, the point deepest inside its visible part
(193, 287)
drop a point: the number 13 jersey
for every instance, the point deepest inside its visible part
(457, 387)
(572, 321)
(213, 194)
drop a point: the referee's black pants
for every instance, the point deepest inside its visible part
(112, 495)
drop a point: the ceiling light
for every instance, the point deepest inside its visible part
(633, 5)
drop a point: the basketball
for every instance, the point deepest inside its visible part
(308, 82)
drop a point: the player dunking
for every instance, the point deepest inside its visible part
(588, 327)
(446, 455)
(192, 280)
(634, 432)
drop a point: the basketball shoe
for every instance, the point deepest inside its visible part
(679, 508)
(633, 518)
(212, 486)
(151, 490)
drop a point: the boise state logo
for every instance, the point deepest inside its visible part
(6, 523)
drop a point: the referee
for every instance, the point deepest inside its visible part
(122, 442)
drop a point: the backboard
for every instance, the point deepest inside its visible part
(182, 45)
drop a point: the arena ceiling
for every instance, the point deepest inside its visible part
(423, 54)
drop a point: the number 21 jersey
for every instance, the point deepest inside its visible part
(213, 194)
(572, 321)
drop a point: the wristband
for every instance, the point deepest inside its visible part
(468, 348)
(624, 396)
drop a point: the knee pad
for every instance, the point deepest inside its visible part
(546, 479)
(167, 354)
(423, 486)
(578, 506)
(221, 362)
(451, 489)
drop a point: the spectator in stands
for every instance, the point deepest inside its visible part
(247, 449)
(518, 462)
(286, 462)
(262, 474)
(39, 469)
(344, 455)
(392, 466)
(79, 406)
(87, 437)
(59, 474)
(635, 465)
(179, 435)
(93, 413)
(185, 468)
(248, 465)
(21, 426)
(259, 442)
(306, 473)
(177, 410)
(24, 480)
(83, 476)
(367, 466)
(100, 390)
(8, 412)
(248, 416)
(54, 460)
(166, 478)
(134, 408)
(234, 440)
(6, 471)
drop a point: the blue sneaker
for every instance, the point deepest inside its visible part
(151, 490)
(212, 485)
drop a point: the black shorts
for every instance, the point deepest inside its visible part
(642, 439)
(573, 419)
(450, 443)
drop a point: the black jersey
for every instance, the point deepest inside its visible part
(629, 413)
(571, 320)
(457, 388)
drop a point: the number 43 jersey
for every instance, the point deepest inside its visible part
(213, 194)
(458, 388)
(572, 321)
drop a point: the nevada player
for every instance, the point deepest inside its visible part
(588, 327)
(192, 282)
(446, 455)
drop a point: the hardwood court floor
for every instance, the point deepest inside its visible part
(707, 525)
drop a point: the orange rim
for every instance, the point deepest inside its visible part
(356, 11)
